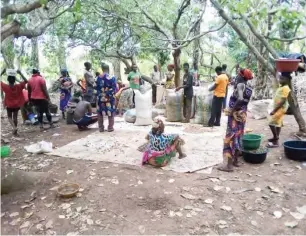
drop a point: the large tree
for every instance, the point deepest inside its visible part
(129, 28)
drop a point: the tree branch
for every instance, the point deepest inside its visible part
(287, 40)
(32, 33)
(19, 8)
(186, 42)
(184, 5)
(197, 21)
(242, 35)
(260, 37)
(61, 13)
(157, 26)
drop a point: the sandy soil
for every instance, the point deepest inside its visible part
(121, 199)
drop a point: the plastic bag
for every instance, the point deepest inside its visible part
(130, 116)
(40, 147)
(143, 105)
(259, 109)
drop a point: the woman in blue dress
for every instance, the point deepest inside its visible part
(106, 90)
(65, 90)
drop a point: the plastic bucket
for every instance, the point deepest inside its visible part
(251, 141)
(5, 151)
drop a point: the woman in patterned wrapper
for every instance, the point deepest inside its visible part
(161, 147)
(237, 115)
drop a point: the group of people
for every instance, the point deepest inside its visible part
(104, 90)
(162, 147)
(21, 95)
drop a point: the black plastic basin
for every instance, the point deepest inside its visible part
(255, 157)
(295, 150)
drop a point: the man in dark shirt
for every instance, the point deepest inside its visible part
(188, 93)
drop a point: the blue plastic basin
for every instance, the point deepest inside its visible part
(295, 150)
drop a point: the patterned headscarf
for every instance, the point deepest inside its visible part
(158, 126)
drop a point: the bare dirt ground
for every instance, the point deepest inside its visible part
(121, 199)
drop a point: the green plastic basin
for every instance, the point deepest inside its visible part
(5, 151)
(251, 141)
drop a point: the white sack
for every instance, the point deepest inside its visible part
(143, 105)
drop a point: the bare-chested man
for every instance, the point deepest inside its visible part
(83, 116)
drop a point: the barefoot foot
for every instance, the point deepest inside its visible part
(225, 168)
(183, 155)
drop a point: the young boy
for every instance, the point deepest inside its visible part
(219, 89)
(13, 99)
(280, 106)
(188, 93)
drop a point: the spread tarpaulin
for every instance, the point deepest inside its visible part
(203, 146)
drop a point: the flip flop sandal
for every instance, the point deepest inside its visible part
(272, 145)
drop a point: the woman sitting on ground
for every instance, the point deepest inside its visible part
(161, 147)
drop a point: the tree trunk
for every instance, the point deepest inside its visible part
(295, 109)
(7, 50)
(34, 53)
(116, 65)
(61, 53)
(16, 180)
(261, 89)
(9, 29)
(196, 45)
(177, 63)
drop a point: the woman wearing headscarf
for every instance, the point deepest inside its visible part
(13, 99)
(170, 77)
(65, 90)
(161, 147)
(237, 114)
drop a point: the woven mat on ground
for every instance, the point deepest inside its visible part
(203, 147)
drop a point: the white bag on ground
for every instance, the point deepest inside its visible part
(143, 104)
(259, 108)
(40, 147)
(130, 116)
(174, 105)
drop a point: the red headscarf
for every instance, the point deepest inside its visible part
(171, 66)
(246, 74)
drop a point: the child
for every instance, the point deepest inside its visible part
(13, 99)
(280, 104)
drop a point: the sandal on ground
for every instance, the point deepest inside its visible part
(272, 145)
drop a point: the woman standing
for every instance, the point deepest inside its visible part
(170, 77)
(13, 99)
(237, 115)
(161, 147)
(65, 90)
(39, 96)
(106, 89)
